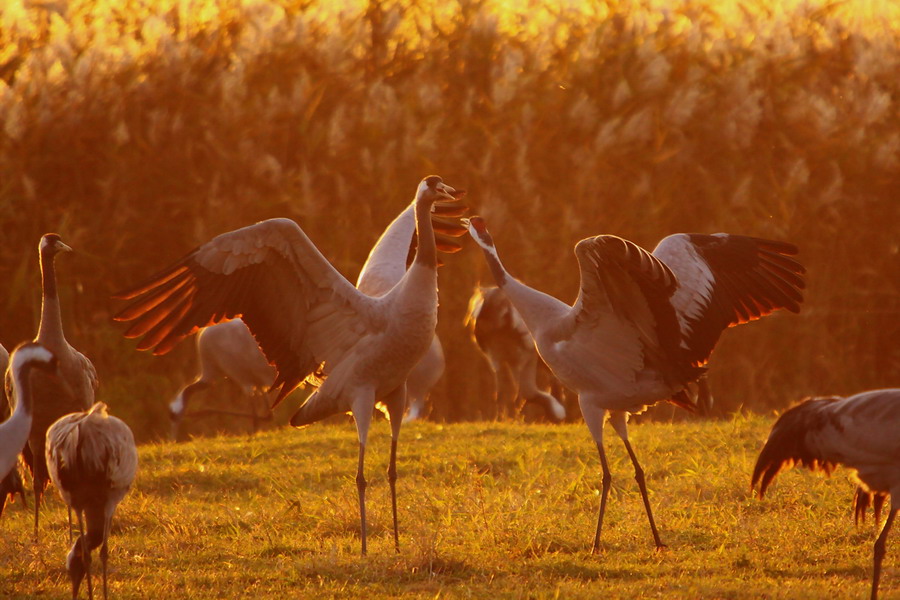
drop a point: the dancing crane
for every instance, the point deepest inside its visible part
(308, 319)
(644, 324)
(92, 460)
(859, 432)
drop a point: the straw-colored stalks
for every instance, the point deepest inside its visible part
(138, 129)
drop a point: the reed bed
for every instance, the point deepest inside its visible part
(138, 129)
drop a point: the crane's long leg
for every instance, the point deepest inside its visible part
(104, 550)
(39, 486)
(362, 409)
(607, 482)
(594, 418)
(880, 547)
(396, 406)
(85, 557)
(619, 423)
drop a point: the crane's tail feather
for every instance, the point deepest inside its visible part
(861, 502)
(787, 445)
(316, 408)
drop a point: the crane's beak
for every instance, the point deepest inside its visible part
(448, 193)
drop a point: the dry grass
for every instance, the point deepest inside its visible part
(486, 511)
(140, 129)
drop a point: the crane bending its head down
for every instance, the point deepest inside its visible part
(307, 318)
(644, 324)
(859, 432)
(92, 459)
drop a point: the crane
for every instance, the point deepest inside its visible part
(858, 432)
(14, 431)
(226, 350)
(644, 324)
(311, 322)
(500, 333)
(53, 395)
(92, 460)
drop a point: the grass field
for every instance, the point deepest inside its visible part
(486, 511)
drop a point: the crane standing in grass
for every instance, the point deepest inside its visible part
(92, 460)
(11, 483)
(859, 432)
(54, 395)
(644, 324)
(505, 342)
(309, 320)
(14, 431)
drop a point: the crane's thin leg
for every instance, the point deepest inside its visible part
(104, 550)
(396, 406)
(704, 396)
(604, 494)
(85, 557)
(38, 494)
(253, 418)
(70, 523)
(880, 547)
(594, 418)
(362, 414)
(619, 420)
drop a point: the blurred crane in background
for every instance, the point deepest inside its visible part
(504, 341)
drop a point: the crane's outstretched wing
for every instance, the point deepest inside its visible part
(624, 301)
(302, 312)
(394, 251)
(725, 280)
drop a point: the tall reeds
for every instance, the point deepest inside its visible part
(139, 129)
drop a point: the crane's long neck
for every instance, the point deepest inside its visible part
(537, 308)
(501, 277)
(426, 250)
(22, 390)
(51, 319)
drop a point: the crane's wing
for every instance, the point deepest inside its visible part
(725, 280)
(89, 383)
(624, 304)
(302, 312)
(394, 251)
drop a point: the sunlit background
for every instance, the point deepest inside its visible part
(139, 129)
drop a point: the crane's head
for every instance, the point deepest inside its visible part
(478, 230)
(30, 355)
(52, 244)
(433, 189)
(75, 566)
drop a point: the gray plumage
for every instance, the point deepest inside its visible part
(644, 324)
(227, 351)
(310, 322)
(503, 338)
(859, 432)
(92, 460)
(69, 390)
(14, 431)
